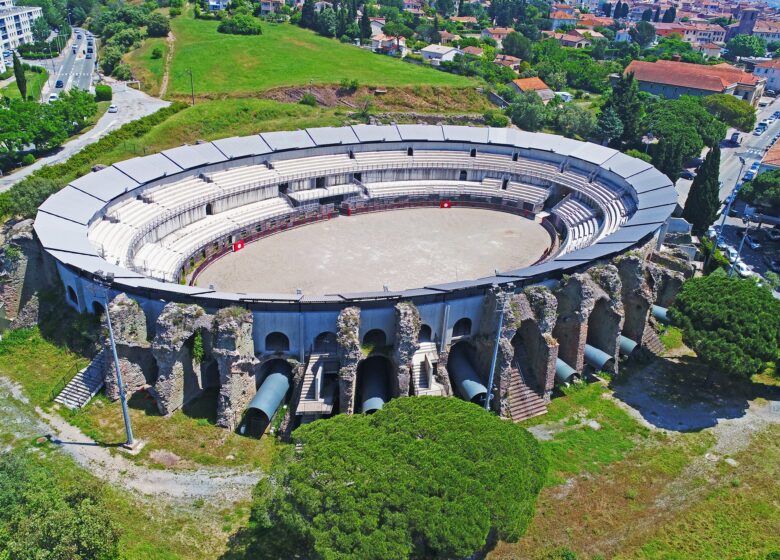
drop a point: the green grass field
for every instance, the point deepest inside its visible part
(149, 71)
(284, 55)
(35, 81)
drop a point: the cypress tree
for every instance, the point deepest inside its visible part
(670, 15)
(617, 10)
(365, 25)
(21, 79)
(624, 10)
(308, 19)
(657, 16)
(701, 208)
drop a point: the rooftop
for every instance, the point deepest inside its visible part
(695, 76)
(530, 84)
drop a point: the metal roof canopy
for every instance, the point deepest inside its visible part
(287, 140)
(198, 155)
(368, 133)
(60, 234)
(658, 197)
(429, 133)
(243, 146)
(593, 153)
(72, 204)
(93, 263)
(649, 180)
(656, 215)
(506, 136)
(328, 136)
(625, 166)
(630, 234)
(465, 134)
(105, 184)
(148, 168)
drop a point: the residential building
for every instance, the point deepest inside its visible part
(524, 85)
(467, 21)
(748, 18)
(436, 54)
(771, 71)
(767, 30)
(413, 5)
(671, 79)
(473, 51)
(710, 50)
(560, 19)
(217, 5)
(447, 37)
(692, 32)
(498, 34)
(389, 45)
(16, 24)
(771, 159)
(622, 36)
(508, 61)
(270, 6)
(590, 21)
(571, 40)
(377, 24)
(319, 6)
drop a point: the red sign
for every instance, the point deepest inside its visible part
(238, 245)
(445, 204)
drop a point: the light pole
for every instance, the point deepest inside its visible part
(104, 280)
(729, 201)
(746, 221)
(192, 85)
(501, 303)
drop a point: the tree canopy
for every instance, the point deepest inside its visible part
(733, 111)
(425, 477)
(701, 207)
(643, 33)
(746, 45)
(732, 324)
(762, 190)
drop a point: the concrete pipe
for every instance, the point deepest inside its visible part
(563, 371)
(660, 314)
(627, 345)
(374, 393)
(464, 376)
(595, 358)
(265, 403)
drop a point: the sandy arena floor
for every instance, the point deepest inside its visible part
(401, 249)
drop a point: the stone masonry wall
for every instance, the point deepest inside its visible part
(407, 329)
(536, 312)
(234, 352)
(636, 295)
(350, 355)
(605, 322)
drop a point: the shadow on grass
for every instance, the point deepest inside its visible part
(684, 395)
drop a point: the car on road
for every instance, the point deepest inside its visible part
(59, 84)
(113, 108)
(749, 175)
(731, 254)
(759, 131)
(687, 174)
(78, 36)
(735, 139)
(712, 231)
(743, 269)
(89, 55)
(54, 97)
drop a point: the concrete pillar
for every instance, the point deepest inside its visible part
(350, 354)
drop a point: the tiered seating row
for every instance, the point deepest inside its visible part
(527, 193)
(581, 222)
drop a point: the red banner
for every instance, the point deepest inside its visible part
(238, 245)
(445, 204)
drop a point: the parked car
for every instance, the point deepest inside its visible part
(743, 270)
(722, 244)
(53, 97)
(59, 84)
(735, 139)
(113, 108)
(712, 231)
(749, 175)
(73, 50)
(731, 254)
(89, 55)
(687, 174)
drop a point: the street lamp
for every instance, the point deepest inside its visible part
(649, 139)
(104, 280)
(746, 221)
(729, 201)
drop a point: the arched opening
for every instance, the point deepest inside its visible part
(72, 296)
(463, 175)
(531, 356)
(373, 384)
(277, 342)
(425, 334)
(326, 342)
(98, 309)
(473, 152)
(209, 209)
(271, 393)
(602, 339)
(515, 156)
(464, 378)
(409, 151)
(375, 338)
(462, 327)
(504, 184)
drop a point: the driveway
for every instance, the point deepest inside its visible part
(133, 105)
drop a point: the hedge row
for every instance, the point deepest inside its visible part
(25, 196)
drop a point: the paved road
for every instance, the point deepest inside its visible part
(74, 69)
(132, 104)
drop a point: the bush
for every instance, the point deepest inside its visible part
(103, 92)
(123, 72)
(422, 478)
(157, 52)
(308, 99)
(496, 119)
(28, 159)
(174, 12)
(158, 25)
(240, 25)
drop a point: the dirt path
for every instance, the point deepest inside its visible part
(218, 485)
(171, 40)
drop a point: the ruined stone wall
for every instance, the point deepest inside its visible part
(536, 312)
(136, 362)
(664, 283)
(407, 329)
(575, 302)
(350, 355)
(636, 295)
(484, 343)
(606, 320)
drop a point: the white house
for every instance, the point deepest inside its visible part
(436, 54)
(389, 45)
(217, 5)
(16, 23)
(771, 71)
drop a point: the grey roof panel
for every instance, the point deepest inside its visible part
(418, 292)
(59, 234)
(590, 253)
(630, 234)
(92, 263)
(659, 197)
(625, 166)
(105, 184)
(188, 157)
(465, 133)
(420, 132)
(649, 180)
(242, 146)
(368, 133)
(157, 285)
(506, 136)
(73, 204)
(539, 141)
(593, 153)
(332, 298)
(287, 140)
(328, 136)
(148, 168)
(657, 215)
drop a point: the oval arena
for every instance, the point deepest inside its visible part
(335, 268)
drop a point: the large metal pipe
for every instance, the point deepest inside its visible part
(266, 402)
(660, 314)
(627, 345)
(563, 371)
(596, 358)
(373, 379)
(464, 377)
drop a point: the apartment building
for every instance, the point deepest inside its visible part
(16, 23)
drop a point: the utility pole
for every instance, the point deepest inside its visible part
(746, 221)
(104, 280)
(502, 300)
(729, 201)
(192, 85)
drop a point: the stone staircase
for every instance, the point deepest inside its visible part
(84, 385)
(651, 342)
(310, 402)
(420, 381)
(524, 402)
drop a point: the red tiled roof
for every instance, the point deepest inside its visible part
(476, 51)
(561, 15)
(694, 76)
(774, 64)
(530, 84)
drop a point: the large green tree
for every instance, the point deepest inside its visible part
(365, 25)
(40, 30)
(527, 111)
(763, 190)
(669, 15)
(624, 100)
(732, 324)
(517, 45)
(426, 477)
(643, 33)
(731, 110)
(746, 45)
(701, 207)
(158, 25)
(609, 125)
